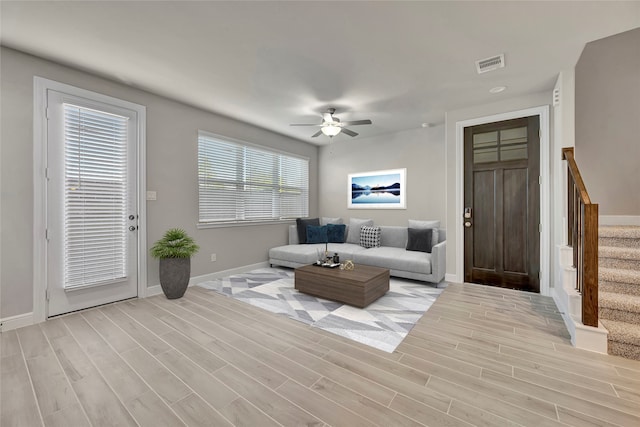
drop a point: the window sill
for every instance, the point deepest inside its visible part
(204, 225)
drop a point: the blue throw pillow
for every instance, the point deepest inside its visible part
(336, 233)
(316, 234)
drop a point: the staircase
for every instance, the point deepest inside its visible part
(619, 288)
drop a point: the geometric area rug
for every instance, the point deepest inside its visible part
(383, 324)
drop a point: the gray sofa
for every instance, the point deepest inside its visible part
(392, 254)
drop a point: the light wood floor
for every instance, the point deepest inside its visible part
(480, 356)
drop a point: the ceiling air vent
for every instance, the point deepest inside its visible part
(490, 64)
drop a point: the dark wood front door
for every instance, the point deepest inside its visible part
(502, 204)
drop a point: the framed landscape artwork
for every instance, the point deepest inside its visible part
(385, 189)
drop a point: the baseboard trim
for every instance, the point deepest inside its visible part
(157, 289)
(15, 322)
(619, 220)
(452, 278)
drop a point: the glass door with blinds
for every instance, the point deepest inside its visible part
(91, 203)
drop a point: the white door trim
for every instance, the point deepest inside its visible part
(40, 87)
(543, 113)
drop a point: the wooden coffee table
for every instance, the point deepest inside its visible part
(358, 287)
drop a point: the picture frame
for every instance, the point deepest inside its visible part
(384, 189)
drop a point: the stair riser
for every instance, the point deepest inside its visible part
(625, 350)
(619, 242)
(619, 288)
(624, 264)
(620, 316)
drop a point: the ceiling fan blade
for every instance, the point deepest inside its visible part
(357, 122)
(349, 132)
(304, 124)
(317, 134)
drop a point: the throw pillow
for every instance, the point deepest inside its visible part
(325, 220)
(435, 235)
(419, 239)
(369, 237)
(302, 223)
(354, 229)
(336, 233)
(316, 234)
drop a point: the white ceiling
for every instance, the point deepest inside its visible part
(273, 63)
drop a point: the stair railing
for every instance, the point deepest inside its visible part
(582, 219)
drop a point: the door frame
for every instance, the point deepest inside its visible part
(40, 88)
(545, 251)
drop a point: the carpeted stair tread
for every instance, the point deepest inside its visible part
(619, 231)
(619, 275)
(621, 302)
(620, 288)
(620, 253)
(622, 332)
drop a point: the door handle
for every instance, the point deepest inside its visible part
(467, 224)
(132, 228)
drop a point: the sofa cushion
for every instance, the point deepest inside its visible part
(435, 239)
(336, 233)
(302, 223)
(317, 234)
(369, 236)
(301, 254)
(419, 239)
(392, 235)
(354, 229)
(328, 220)
(395, 259)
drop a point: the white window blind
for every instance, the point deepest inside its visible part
(95, 192)
(239, 182)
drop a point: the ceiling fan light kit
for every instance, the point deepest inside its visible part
(331, 130)
(331, 126)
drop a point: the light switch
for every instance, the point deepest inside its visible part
(151, 195)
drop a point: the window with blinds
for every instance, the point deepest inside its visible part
(242, 183)
(95, 197)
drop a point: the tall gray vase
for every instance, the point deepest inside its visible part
(174, 276)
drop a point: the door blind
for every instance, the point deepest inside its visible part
(239, 183)
(95, 197)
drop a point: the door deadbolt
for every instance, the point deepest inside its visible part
(132, 217)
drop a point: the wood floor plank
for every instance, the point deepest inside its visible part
(159, 378)
(425, 414)
(195, 412)
(109, 331)
(328, 411)
(70, 416)
(347, 378)
(53, 390)
(476, 416)
(9, 344)
(121, 378)
(135, 330)
(242, 413)
(621, 414)
(366, 408)
(151, 411)
(209, 388)
(268, 401)
(17, 400)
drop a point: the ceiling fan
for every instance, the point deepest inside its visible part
(331, 126)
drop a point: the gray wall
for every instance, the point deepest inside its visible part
(608, 122)
(171, 171)
(420, 151)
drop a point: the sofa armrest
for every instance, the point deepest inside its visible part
(293, 235)
(438, 261)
